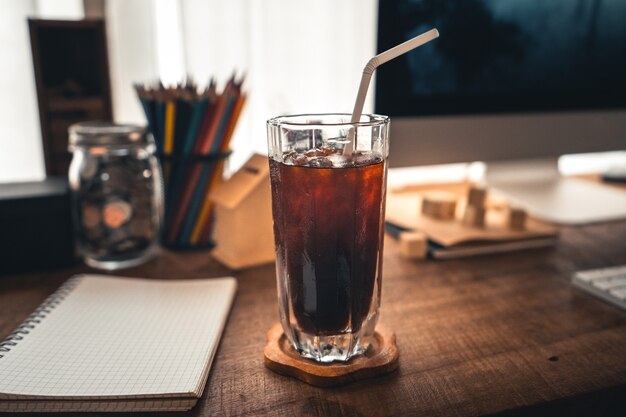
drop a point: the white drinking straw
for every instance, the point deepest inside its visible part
(369, 69)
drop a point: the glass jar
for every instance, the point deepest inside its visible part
(117, 193)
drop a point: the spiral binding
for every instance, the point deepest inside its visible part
(38, 315)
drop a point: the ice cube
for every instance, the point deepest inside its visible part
(328, 150)
(320, 162)
(294, 158)
(301, 160)
(340, 161)
(368, 158)
(312, 153)
(289, 157)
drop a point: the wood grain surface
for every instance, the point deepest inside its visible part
(504, 334)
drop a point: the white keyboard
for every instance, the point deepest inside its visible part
(606, 283)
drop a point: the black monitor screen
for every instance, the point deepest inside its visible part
(496, 56)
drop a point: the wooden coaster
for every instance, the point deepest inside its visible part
(379, 359)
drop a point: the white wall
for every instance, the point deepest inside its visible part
(21, 151)
(131, 34)
(60, 9)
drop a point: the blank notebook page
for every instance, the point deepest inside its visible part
(111, 338)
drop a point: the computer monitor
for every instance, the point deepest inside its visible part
(509, 80)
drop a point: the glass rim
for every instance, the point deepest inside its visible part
(377, 119)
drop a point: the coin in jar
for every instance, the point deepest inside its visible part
(116, 213)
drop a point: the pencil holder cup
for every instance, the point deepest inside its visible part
(189, 181)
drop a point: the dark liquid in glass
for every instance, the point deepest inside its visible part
(328, 224)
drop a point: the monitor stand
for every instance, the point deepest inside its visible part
(537, 186)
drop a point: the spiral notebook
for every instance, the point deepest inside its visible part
(103, 343)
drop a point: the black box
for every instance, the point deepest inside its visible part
(35, 226)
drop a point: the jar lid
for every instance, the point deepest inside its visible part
(107, 134)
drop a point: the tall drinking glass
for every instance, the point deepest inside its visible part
(328, 207)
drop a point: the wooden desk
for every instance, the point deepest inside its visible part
(503, 334)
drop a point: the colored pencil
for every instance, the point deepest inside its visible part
(241, 100)
(185, 194)
(223, 123)
(170, 116)
(217, 118)
(204, 217)
(199, 196)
